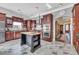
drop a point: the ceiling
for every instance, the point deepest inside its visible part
(61, 20)
(31, 9)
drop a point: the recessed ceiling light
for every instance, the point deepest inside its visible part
(37, 7)
(48, 5)
(60, 4)
(18, 9)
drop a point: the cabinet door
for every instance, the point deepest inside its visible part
(28, 25)
(7, 36)
(76, 10)
(2, 17)
(17, 35)
(33, 23)
(9, 22)
(12, 35)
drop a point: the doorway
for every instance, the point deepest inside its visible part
(63, 30)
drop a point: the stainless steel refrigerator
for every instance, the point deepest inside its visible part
(2, 31)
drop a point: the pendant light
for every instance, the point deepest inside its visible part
(38, 25)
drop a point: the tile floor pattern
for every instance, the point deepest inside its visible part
(54, 48)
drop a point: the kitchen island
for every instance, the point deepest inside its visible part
(32, 39)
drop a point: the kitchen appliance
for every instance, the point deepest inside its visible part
(46, 30)
(2, 31)
(2, 27)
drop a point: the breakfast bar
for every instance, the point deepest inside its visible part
(32, 39)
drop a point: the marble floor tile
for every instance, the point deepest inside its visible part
(54, 48)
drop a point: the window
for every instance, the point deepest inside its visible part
(17, 25)
(67, 27)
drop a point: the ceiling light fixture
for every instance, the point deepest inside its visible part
(18, 9)
(60, 4)
(48, 5)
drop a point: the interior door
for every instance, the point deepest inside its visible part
(61, 28)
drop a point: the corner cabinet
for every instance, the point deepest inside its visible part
(47, 24)
(2, 17)
(75, 13)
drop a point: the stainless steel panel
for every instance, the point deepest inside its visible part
(2, 26)
(2, 37)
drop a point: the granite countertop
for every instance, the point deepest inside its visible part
(30, 33)
(14, 31)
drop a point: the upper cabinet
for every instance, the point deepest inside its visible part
(24, 24)
(75, 10)
(17, 23)
(2, 17)
(75, 13)
(17, 19)
(9, 22)
(33, 24)
(30, 25)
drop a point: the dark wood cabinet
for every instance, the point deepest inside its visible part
(17, 19)
(75, 13)
(2, 17)
(24, 23)
(47, 23)
(9, 36)
(17, 35)
(30, 25)
(33, 25)
(12, 35)
(9, 22)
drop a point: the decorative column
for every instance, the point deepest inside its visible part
(71, 30)
(54, 20)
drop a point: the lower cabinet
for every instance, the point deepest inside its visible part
(9, 36)
(77, 47)
(12, 35)
(17, 35)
